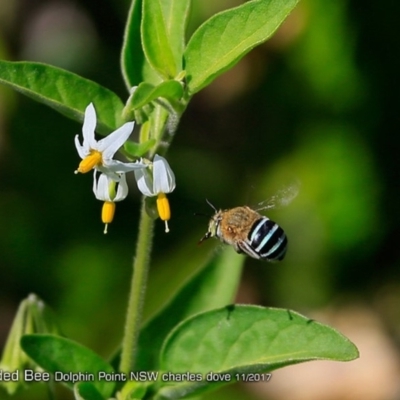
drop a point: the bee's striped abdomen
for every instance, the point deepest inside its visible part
(267, 239)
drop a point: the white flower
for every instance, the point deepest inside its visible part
(104, 188)
(99, 154)
(160, 179)
(157, 181)
(110, 191)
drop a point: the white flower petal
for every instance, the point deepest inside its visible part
(102, 190)
(94, 182)
(144, 181)
(81, 150)
(122, 190)
(164, 178)
(110, 144)
(111, 174)
(120, 167)
(88, 128)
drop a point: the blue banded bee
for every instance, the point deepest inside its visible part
(250, 232)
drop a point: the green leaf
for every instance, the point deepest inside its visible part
(213, 286)
(57, 354)
(138, 149)
(134, 65)
(145, 93)
(225, 38)
(135, 68)
(33, 316)
(133, 390)
(132, 56)
(155, 40)
(63, 91)
(86, 391)
(13, 358)
(176, 13)
(246, 339)
(43, 317)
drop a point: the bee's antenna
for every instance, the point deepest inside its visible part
(211, 205)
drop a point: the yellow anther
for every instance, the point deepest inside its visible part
(107, 213)
(89, 162)
(163, 209)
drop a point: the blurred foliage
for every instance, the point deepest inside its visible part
(317, 103)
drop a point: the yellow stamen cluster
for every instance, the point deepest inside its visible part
(107, 213)
(163, 208)
(89, 162)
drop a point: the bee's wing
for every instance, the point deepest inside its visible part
(282, 197)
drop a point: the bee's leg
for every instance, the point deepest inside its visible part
(238, 248)
(244, 247)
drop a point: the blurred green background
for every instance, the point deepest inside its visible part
(317, 103)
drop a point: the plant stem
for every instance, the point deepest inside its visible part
(138, 289)
(143, 251)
